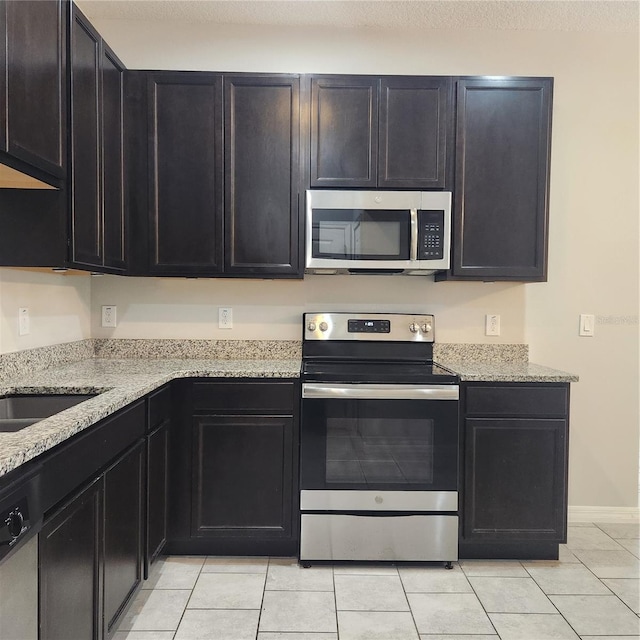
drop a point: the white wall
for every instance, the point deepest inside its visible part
(272, 309)
(593, 260)
(59, 308)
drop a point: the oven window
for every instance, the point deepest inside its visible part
(356, 444)
(357, 234)
(379, 451)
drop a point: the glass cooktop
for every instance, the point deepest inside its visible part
(377, 372)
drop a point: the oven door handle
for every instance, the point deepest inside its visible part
(380, 391)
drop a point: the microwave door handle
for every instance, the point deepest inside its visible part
(413, 255)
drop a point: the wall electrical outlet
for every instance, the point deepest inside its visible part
(23, 321)
(109, 317)
(587, 325)
(225, 318)
(491, 325)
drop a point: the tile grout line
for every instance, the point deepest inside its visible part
(335, 599)
(486, 613)
(264, 591)
(175, 633)
(415, 624)
(601, 580)
(553, 604)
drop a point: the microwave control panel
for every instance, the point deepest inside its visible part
(430, 235)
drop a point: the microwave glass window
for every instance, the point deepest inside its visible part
(353, 234)
(376, 451)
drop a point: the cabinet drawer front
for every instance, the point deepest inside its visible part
(81, 458)
(517, 400)
(159, 408)
(238, 397)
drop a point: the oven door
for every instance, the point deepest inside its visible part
(378, 438)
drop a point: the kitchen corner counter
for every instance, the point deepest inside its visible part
(495, 363)
(117, 383)
(507, 372)
(131, 369)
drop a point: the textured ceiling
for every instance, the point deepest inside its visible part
(548, 15)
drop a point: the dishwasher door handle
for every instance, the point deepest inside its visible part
(380, 391)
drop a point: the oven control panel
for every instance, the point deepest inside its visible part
(368, 326)
(398, 327)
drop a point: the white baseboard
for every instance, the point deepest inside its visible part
(603, 514)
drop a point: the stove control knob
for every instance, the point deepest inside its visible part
(323, 326)
(311, 326)
(426, 327)
(413, 327)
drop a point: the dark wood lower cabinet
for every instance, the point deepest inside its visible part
(157, 492)
(123, 509)
(242, 476)
(234, 468)
(91, 545)
(515, 469)
(70, 560)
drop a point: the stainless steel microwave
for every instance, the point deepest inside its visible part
(387, 232)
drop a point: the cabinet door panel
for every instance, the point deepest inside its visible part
(344, 132)
(123, 484)
(3, 75)
(36, 79)
(515, 486)
(242, 476)
(69, 559)
(502, 169)
(113, 160)
(185, 181)
(262, 143)
(85, 143)
(157, 492)
(414, 121)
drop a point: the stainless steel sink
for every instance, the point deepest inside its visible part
(19, 411)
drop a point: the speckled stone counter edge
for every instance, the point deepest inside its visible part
(21, 362)
(488, 353)
(197, 349)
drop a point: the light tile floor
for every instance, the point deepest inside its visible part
(592, 592)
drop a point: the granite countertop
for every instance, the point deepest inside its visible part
(117, 383)
(121, 380)
(506, 372)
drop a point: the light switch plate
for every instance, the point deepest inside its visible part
(23, 321)
(587, 325)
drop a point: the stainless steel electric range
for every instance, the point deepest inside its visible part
(378, 441)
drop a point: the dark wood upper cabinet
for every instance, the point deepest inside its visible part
(97, 234)
(262, 169)
(223, 174)
(503, 140)
(413, 132)
(185, 173)
(86, 210)
(3, 75)
(344, 131)
(389, 132)
(113, 169)
(33, 88)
